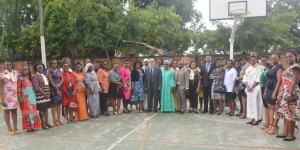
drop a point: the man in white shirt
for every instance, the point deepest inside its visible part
(230, 76)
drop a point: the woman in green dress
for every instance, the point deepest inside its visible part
(168, 85)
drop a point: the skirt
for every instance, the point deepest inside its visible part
(114, 91)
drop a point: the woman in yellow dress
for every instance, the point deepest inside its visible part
(174, 68)
(200, 93)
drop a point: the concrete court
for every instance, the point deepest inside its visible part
(137, 131)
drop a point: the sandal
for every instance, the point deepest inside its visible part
(140, 111)
(11, 133)
(120, 113)
(115, 113)
(16, 131)
(242, 116)
(239, 114)
(68, 121)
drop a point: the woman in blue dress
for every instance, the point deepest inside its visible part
(92, 90)
(137, 83)
(168, 85)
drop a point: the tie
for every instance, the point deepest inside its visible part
(207, 67)
(177, 76)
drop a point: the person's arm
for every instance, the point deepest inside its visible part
(74, 82)
(159, 78)
(279, 79)
(234, 81)
(61, 80)
(36, 85)
(295, 80)
(100, 79)
(51, 81)
(186, 78)
(20, 97)
(87, 82)
(3, 101)
(145, 81)
(133, 78)
(199, 82)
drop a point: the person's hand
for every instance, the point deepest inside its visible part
(21, 100)
(102, 89)
(46, 95)
(159, 88)
(3, 103)
(187, 91)
(289, 98)
(74, 92)
(250, 89)
(273, 96)
(56, 87)
(197, 91)
(58, 92)
(132, 87)
(145, 89)
(265, 96)
(121, 85)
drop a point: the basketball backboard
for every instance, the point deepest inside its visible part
(221, 9)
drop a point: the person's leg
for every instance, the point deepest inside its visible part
(149, 99)
(178, 99)
(42, 116)
(125, 110)
(220, 109)
(7, 119)
(118, 105)
(205, 96)
(211, 107)
(141, 106)
(267, 117)
(241, 105)
(14, 118)
(53, 111)
(46, 118)
(215, 105)
(58, 113)
(183, 102)
(244, 102)
(201, 101)
(195, 103)
(291, 130)
(71, 116)
(102, 103)
(155, 97)
(285, 129)
(231, 106)
(66, 112)
(114, 105)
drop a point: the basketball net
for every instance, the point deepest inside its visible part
(239, 14)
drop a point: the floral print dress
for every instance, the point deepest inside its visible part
(10, 90)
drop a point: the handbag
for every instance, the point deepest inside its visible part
(134, 99)
(70, 90)
(73, 106)
(241, 86)
(219, 87)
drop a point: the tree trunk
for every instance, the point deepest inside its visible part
(106, 51)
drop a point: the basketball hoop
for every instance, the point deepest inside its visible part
(238, 14)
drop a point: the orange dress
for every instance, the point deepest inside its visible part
(103, 77)
(81, 113)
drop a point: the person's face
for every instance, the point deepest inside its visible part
(207, 59)
(174, 64)
(105, 65)
(265, 61)
(25, 70)
(218, 64)
(116, 67)
(68, 61)
(166, 65)
(87, 61)
(229, 64)
(129, 66)
(78, 68)
(96, 66)
(243, 61)
(289, 58)
(253, 61)
(180, 64)
(171, 60)
(274, 59)
(66, 67)
(53, 64)
(224, 62)
(186, 62)
(159, 62)
(126, 64)
(8, 66)
(237, 65)
(40, 69)
(151, 62)
(138, 66)
(253, 54)
(146, 63)
(91, 67)
(193, 66)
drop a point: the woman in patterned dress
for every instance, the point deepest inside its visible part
(9, 97)
(287, 106)
(125, 77)
(56, 80)
(42, 92)
(137, 83)
(27, 99)
(92, 90)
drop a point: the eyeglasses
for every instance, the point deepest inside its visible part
(25, 69)
(151, 61)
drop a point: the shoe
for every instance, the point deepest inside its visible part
(196, 112)
(55, 123)
(73, 120)
(260, 120)
(205, 111)
(254, 124)
(50, 126)
(280, 136)
(16, 131)
(45, 128)
(119, 113)
(285, 139)
(250, 122)
(296, 129)
(236, 109)
(231, 115)
(200, 109)
(263, 128)
(124, 112)
(211, 112)
(239, 114)
(219, 113)
(59, 122)
(182, 112)
(11, 133)
(107, 114)
(68, 121)
(227, 113)
(155, 111)
(242, 117)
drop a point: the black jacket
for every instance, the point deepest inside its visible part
(135, 75)
(205, 81)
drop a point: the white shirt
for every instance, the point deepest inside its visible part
(207, 66)
(230, 75)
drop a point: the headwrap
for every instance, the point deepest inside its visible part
(167, 61)
(92, 72)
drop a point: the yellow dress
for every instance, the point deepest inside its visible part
(200, 94)
(174, 94)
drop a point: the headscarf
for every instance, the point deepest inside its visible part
(92, 72)
(167, 61)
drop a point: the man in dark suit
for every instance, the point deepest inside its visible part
(152, 85)
(206, 82)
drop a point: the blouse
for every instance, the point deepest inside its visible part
(103, 78)
(114, 76)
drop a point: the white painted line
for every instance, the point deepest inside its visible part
(121, 139)
(5, 122)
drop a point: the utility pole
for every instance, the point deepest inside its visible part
(42, 38)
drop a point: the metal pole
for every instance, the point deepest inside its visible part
(231, 40)
(42, 38)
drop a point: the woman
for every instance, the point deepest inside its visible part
(230, 95)
(200, 93)
(186, 62)
(42, 92)
(9, 96)
(103, 79)
(125, 77)
(137, 83)
(242, 93)
(174, 69)
(66, 60)
(115, 89)
(92, 91)
(287, 106)
(85, 61)
(253, 91)
(168, 85)
(96, 68)
(56, 80)
(27, 99)
(272, 85)
(160, 64)
(69, 87)
(217, 75)
(194, 87)
(81, 113)
(237, 66)
(263, 79)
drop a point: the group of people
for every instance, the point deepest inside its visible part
(265, 88)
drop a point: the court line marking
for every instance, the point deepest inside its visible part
(121, 139)
(145, 135)
(5, 142)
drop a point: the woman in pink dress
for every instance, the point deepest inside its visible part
(9, 95)
(125, 77)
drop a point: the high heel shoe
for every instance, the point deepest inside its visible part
(275, 131)
(254, 124)
(260, 120)
(269, 128)
(55, 123)
(292, 139)
(59, 122)
(11, 133)
(250, 122)
(16, 131)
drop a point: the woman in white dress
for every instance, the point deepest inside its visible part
(254, 99)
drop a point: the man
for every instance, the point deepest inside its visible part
(182, 86)
(152, 85)
(206, 83)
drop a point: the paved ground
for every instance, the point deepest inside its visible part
(137, 131)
